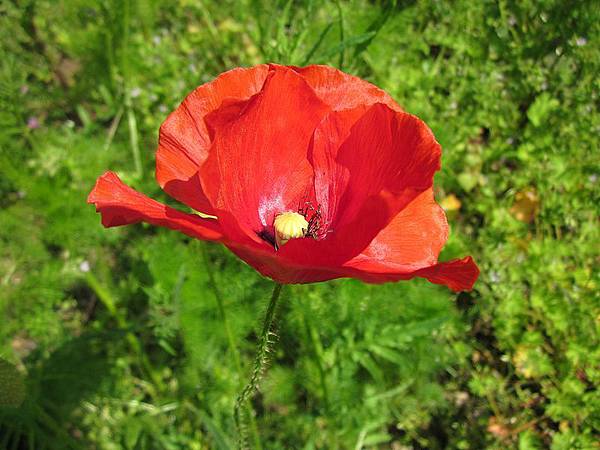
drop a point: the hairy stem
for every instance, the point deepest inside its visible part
(260, 363)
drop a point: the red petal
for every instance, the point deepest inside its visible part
(184, 141)
(457, 274)
(270, 265)
(410, 255)
(358, 154)
(409, 246)
(121, 205)
(330, 176)
(414, 238)
(366, 171)
(386, 152)
(342, 91)
(257, 165)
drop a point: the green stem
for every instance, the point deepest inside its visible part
(230, 341)
(133, 134)
(342, 38)
(260, 362)
(317, 350)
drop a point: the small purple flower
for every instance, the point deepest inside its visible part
(33, 123)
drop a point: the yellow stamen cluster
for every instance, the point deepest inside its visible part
(289, 225)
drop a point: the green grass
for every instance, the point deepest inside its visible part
(133, 353)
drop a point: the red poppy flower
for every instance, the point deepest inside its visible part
(311, 174)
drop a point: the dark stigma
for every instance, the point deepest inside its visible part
(267, 236)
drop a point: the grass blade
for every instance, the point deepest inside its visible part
(317, 44)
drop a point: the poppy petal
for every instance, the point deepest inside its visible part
(409, 246)
(331, 177)
(414, 237)
(385, 152)
(457, 274)
(342, 91)
(369, 165)
(357, 154)
(257, 166)
(270, 265)
(183, 137)
(121, 205)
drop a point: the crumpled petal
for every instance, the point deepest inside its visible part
(409, 247)
(330, 176)
(343, 91)
(369, 165)
(414, 237)
(257, 166)
(184, 140)
(386, 154)
(457, 274)
(121, 205)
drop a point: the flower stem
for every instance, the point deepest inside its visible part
(230, 341)
(260, 362)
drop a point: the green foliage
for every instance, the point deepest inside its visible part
(118, 339)
(12, 386)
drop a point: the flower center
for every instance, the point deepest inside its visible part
(289, 225)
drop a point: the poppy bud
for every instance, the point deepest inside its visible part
(289, 225)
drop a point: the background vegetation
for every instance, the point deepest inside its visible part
(113, 339)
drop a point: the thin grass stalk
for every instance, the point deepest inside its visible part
(317, 350)
(235, 354)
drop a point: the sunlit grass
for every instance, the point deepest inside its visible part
(118, 333)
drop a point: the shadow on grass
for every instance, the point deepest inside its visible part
(55, 386)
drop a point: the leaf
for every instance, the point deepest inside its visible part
(375, 26)
(467, 180)
(377, 438)
(397, 336)
(526, 205)
(133, 428)
(528, 440)
(541, 109)
(532, 362)
(317, 44)
(12, 385)
(389, 354)
(368, 363)
(348, 43)
(220, 439)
